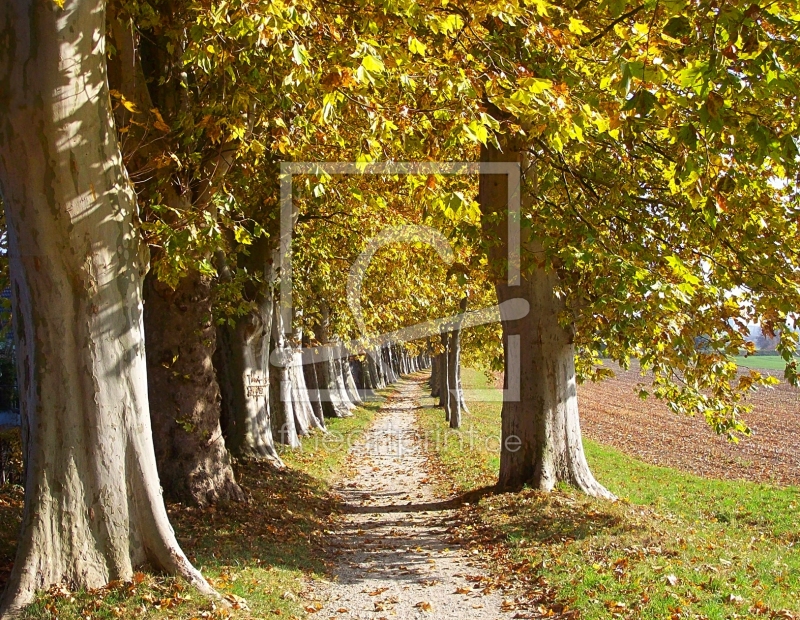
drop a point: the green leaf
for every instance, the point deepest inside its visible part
(300, 55)
(577, 26)
(242, 236)
(373, 64)
(415, 46)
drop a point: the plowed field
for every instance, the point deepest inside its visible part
(613, 414)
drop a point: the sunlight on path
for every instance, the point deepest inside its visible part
(392, 558)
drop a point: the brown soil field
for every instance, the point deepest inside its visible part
(613, 414)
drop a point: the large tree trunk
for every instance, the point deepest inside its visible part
(368, 383)
(185, 402)
(350, 382)
(243, 368)
(376, 370)
(541, 439)
(340, 379)
(304, 417)
(335, 403)
(280, 382)
(93, 506)
(311, 373)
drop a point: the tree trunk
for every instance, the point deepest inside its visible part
(368, 381)
(334, 401)
(280, 384)
(341, 381)
(310, 371)
(541, 439)
(454, 396)
(185, 401)
(333, 405)
(386, 371)
(305, 419)
(93, 506)
(391, 353)
(444, 372)
(244, 382)
(376, 370)
(350, 383)
(434, 380)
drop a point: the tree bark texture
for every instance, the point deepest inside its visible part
(284, 429)
(434, 380)
(185, 401)
(93, 506)
(243, 368)
(541, 438)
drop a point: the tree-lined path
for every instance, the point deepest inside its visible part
(391, 546)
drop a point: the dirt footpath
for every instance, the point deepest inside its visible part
(392, 558)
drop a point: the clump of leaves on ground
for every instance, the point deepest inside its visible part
(258, 554)
(675, 546)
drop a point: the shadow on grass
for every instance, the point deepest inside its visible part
(281, 525)
(544, 519)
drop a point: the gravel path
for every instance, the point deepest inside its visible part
(391, 549)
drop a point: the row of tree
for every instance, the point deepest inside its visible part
(140, 150)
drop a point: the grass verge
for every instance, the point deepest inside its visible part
(761, 362)
(257, 554)
(676, 546)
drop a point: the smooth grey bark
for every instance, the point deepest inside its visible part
(93, 506)
(310, 371)
(455, 398)
(335, 403)
(398, 369)
(350, 383)
(284, 430)
(369, 382)
(444, 374)
(545, 419)
(337, 386)
(242, 365)
(386, 368)
(340, 379)
(376, 369)
(391, 352)
(305, 419)
(361, 373)
(244, 383)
